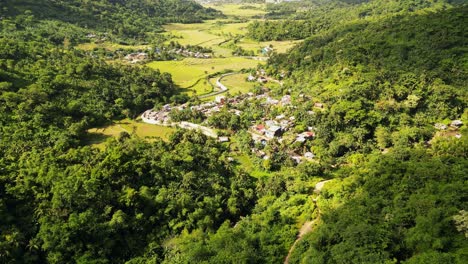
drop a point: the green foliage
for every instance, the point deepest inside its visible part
(402, 74)
(118, 204)
(401, 209)
(128, 19)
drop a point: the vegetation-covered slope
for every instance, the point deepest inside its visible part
(387, 81)
(129, 18)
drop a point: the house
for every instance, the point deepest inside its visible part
(136, 57)
(318, 105)
(251, 78)
(296, 158)
(440, 126)
(300, 139)
(456, 123)
(223, 139)
(220, 99)
(273, 131)
(309, 155)
(266, 50)
(279, 117)
(271, 101)
(259, 129)
(286, 100)
(269, 123)
(304, 136)
(262, 79)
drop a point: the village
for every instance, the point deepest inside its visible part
(262, 131)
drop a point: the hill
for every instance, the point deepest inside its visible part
(131, 19)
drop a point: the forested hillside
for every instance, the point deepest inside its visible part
(125, 18)
(390, 80)
(303, 19)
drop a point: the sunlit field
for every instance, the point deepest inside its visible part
(187, 72)
(98, 136)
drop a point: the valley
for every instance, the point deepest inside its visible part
(218, 131)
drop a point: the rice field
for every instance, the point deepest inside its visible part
(186, 73)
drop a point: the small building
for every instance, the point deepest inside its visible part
(271, 101)
(279, 117)
(456, 123)
(296, 158)
(309, 155)
(251, 78)
(266, 50)
(286, 100)
(220, 99)
(262, 79)
(318, 105)
(273, 131)
(223, 139)
(440, 126)
(259, 129)
(458, 135)
(300, 139)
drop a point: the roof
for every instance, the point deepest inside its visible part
(274, 128)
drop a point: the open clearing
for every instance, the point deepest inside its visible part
(98, 136)
(237, 83)
(111, 46)
(278, 46)
(240, 10)
(187, 72)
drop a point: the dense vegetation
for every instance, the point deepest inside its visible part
(123, 18)
(299, 20)
(383, 78)
(389, 81)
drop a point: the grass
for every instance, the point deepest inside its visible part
(110, 46)
(236, 10)
(278, 46)
(187, 72)
(246, 163)
(208, 34)
(98, 136)
(237, 83)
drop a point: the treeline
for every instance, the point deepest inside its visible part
(128, 19)
(299, 20)
(386, 82)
